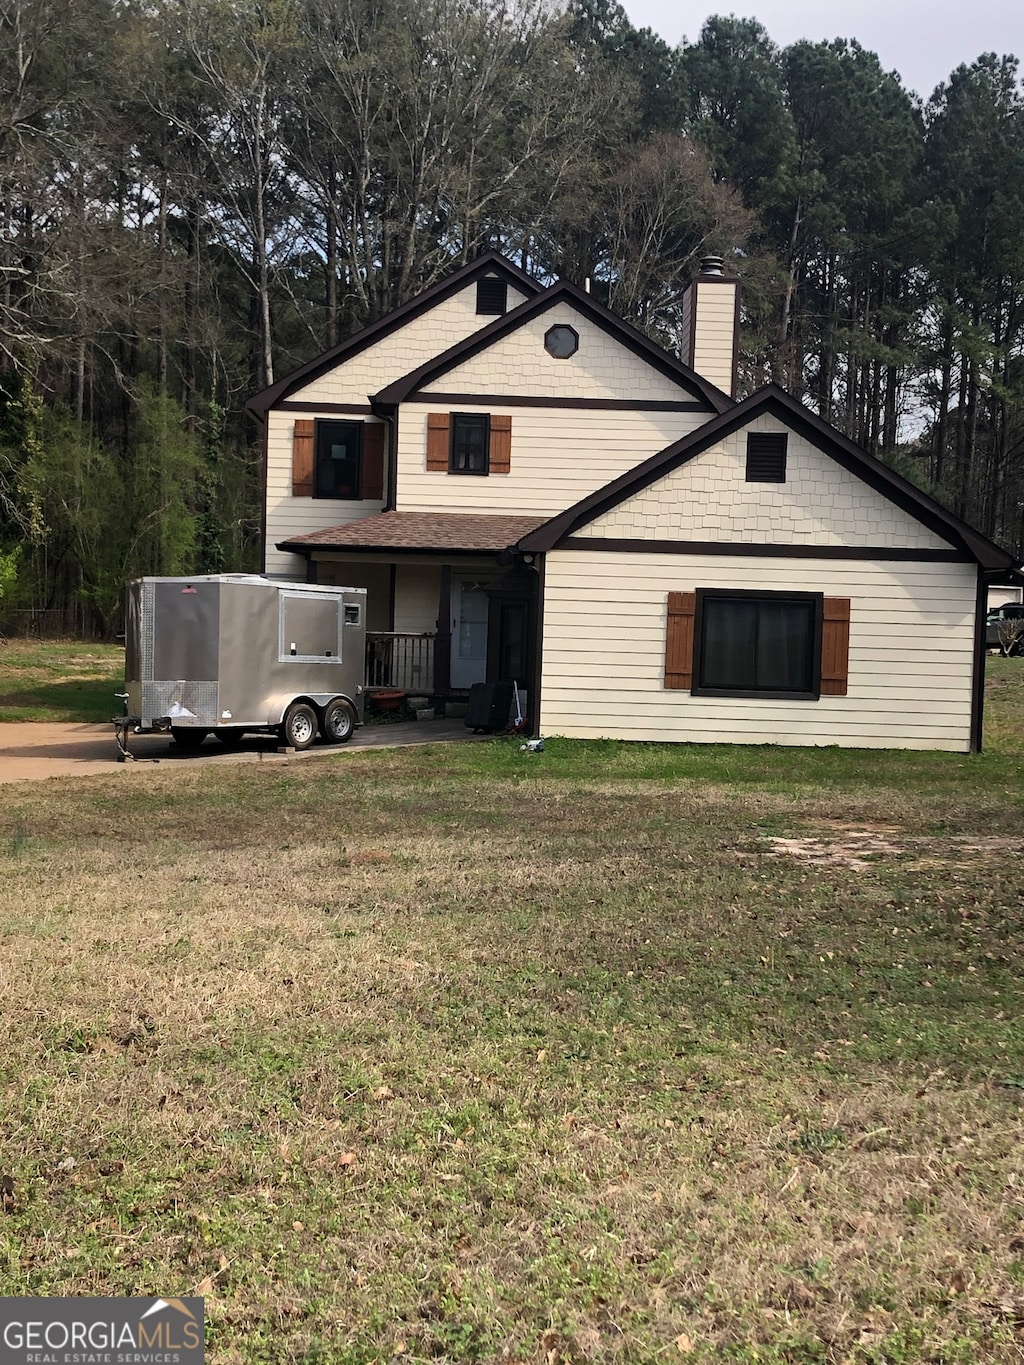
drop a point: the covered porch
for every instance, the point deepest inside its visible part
(450, 601)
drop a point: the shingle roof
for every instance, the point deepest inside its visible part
(418, 531)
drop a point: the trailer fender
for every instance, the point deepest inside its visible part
(278, 705)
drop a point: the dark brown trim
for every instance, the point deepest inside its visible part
(816, 600)
(491, 261)
(563, 292)
(519, 400)
(538, 651)
(443, 635)
(363, 409)
(389, 415)
(780, 405)
(980, 657)
(745, 549)
(264, 472)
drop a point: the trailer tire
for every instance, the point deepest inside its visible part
(187, 738)
(339, 722)
(299, 728)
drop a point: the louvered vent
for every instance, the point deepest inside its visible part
(766, 457)
(491, 295)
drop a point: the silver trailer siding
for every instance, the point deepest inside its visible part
(235, 651)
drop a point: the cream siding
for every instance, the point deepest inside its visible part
(288, 516)
(352, 381)
(559, 455)
(353, 573)
(713, 339)
(417, 593)
(601, 368)
(911, 652)
(820, 503)
(404, 350)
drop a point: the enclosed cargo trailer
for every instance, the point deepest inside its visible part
(227, 654)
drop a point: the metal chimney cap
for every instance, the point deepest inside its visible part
(712, 265)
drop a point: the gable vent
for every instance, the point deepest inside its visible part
(766, 456)
(491, 295)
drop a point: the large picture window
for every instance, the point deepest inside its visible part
(339, 448)
(757, 644)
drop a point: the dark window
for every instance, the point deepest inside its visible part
(338, 457)
(561, 341)
(469, 442)
(758, 644)
(491, 295)
(766, 457)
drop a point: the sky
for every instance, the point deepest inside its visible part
(924, 40)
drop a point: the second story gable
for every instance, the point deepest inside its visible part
(538, 410)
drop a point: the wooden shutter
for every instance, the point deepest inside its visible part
(682, 608)
(302, 458)
(437, 442)
(373, 460)
(500, 451)
(835, 646)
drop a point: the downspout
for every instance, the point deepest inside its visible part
(388, 413)
(980, 654)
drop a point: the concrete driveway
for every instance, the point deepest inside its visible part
(30, 751)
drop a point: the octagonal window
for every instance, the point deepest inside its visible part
(561, 341)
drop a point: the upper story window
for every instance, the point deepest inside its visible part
(341, 460)
(766, 456)
(491, 295)
(561, 341)
(338, 450)
(468, 453)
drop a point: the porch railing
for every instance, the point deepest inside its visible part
(394, 659)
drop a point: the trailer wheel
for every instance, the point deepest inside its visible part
(299, 728)
(186, 738)
(339, 722)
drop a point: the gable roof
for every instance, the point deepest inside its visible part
(491, 263)
(775, 401)
(564, 291)
(452, 531)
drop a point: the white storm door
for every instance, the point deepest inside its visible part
(469, 632)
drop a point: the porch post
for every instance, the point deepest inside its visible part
(443, 638)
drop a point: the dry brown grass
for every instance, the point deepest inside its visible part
(427, 1056)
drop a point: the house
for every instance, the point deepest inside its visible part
(529, 487)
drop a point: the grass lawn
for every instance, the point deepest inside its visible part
(59, 680)
(611, 1053)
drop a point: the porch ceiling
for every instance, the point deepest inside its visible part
(418, 531)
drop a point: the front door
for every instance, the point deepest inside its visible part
(469, 632)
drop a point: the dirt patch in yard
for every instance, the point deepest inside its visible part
(860, 849)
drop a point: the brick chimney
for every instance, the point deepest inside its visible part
(711, 325)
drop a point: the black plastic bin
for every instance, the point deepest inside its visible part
(490, 706)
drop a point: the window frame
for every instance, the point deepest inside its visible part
(320, 441)
(482, 419)
(816, 600)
